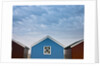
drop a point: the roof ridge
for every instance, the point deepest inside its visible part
(46, 38)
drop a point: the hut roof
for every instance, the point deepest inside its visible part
(46, 38)
(74, 44)
(20, 44)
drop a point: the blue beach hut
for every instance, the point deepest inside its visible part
(47, 48)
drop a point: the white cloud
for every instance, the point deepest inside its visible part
(19, 22)
(43, 26)
(63, 26)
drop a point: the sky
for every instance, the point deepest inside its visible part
(64, 23)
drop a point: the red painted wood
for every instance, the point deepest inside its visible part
(78, 51)
(17, 50)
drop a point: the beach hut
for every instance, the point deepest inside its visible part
(75, 50)
(19, 50)
(47, 48)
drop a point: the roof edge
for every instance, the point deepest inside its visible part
(74, 44)
(19, 43)
(46, 38)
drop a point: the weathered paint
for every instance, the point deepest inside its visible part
(26, 52)
(56, 50)
(68, 53)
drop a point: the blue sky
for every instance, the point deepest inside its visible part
(65, 23)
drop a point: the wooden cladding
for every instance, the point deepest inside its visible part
(19, 51)
(76, 52)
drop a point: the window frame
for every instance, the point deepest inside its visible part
(44, 50)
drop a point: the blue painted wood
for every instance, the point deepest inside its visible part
(56, 50)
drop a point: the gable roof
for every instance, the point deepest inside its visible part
(19, 43)
(74, 44)
(46, 38)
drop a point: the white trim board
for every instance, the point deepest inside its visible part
(46, 38)
(76, 43)
(19, 43)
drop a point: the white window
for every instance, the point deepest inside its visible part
(47, 50)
